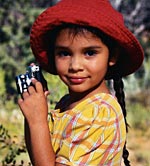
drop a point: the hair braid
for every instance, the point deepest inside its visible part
(119, 93)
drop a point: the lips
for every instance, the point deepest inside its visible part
(77, 79)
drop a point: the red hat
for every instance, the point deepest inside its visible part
(95, 13)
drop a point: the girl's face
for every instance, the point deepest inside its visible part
(81, 61)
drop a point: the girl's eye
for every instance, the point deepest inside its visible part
(63, 53)
(90, 53)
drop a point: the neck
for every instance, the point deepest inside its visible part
(76, 97)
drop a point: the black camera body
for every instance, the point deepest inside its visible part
(23, 81)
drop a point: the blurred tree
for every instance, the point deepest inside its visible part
(44, 3)
(136, 14)
(16, 18)
(137, 18)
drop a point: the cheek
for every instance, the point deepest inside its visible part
(98, 66)
(61, 66)
(57, 63)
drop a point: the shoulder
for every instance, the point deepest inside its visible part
(109, 102)
(99, 106)
(100, 102)
(104, 99)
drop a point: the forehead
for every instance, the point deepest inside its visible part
(75, 34)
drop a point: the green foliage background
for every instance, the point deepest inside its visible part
(16, 18)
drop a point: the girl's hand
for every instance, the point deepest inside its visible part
(34, 103)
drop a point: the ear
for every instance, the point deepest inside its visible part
(114, 57)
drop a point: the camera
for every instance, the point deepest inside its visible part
(23, 81)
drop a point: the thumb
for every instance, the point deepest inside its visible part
(46, 93)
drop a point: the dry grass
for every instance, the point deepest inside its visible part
(139, 147)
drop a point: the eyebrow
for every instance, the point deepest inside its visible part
(93, 47)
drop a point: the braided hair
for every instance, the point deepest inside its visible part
(118, 87)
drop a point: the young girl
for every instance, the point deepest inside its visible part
(85, 43)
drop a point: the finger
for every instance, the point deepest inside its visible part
(31, 90)
(46, 93)
(25, 95)
(32, 64)
(20, 101)
(34, 80)
(38, 86)
(22, 106)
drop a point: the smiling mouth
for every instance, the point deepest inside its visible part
(77, 80)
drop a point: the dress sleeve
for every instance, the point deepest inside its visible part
(98, 136)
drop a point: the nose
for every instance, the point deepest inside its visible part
(76, 64)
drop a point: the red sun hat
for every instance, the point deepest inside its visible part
(95, 13)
